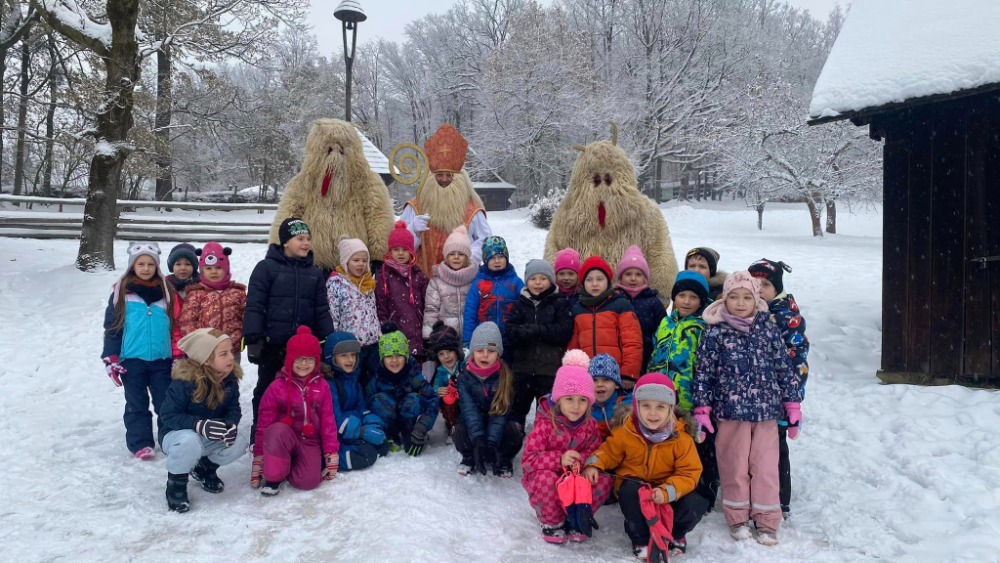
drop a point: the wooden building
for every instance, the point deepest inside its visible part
(893, 68)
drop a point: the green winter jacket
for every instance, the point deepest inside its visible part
(674, 347)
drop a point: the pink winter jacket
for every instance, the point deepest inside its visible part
(550, 439)
(445, 299)
(313, 397)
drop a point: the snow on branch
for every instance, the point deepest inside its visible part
(70, 19)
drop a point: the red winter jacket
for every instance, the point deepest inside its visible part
(610, 328)
(311, 398)
(210, 308)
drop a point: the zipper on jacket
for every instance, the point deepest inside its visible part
(295, 312)
(593, 332)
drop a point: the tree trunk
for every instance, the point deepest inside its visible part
(50, 119)
(3, 114)
(814, 217)
(114, 121)
(22, 120)
(684, 188)
(164, 101)
(760, 216)
(831, 216)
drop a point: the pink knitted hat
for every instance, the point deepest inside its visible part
(633, 258)
(572, 378)
(458, 241)
(348, 247)
(213, 254)
(567, 259)
(401, 237)
(743, 279)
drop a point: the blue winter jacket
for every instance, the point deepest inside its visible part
(350, 409)
(490, 298)
(604, 413)
(146, 332)
(443, 375)
(180, 412)
(650, 311)
(398, 385)
(793, 332)
(475, 396)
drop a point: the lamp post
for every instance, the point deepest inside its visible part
(351, 14)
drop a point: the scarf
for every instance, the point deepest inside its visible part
(405, 270)
(593, 301)
(365, 284)
(456, 278)
(567, 292)
(634, 292)
(741, 324)
(224, 283)
(655, 436)
(181, 285)
(150, 291)
(482, 373)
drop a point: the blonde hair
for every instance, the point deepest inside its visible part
(555, 411)
(208, 388)
(129, 277)
(502, 399)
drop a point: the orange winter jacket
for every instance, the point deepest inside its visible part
(610, 328)
(673, 463)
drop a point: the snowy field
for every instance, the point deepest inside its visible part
(881, 473)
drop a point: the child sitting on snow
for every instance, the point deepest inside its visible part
(611, 402)
(216, 301)
(446, 347)
(633, 280)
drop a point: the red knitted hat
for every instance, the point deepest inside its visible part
(595, 263)
(303, 344)
(401, 237)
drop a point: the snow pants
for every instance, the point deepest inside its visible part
(541, 487)
(400, 416)
(784, 469)
(142, 380)
(272, 359)
(185, 447)
(688, 511)
(708, 483)
(510, 442)
(748, 465)
(451, 414)
(290, 456)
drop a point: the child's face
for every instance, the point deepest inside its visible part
(447, 358)
(484, 357)
(655, 414)
(603, 388)
(299, 246)
(456, 260)
(222, 359)
(304, 365)
(686, 303)
(595, 283)
(346, 361)
(573, 407)
(497, 263)
(401, 255)
(767, 290)
(183, 269)
(632, 277)
(213, 273)
(740, 303)
(538, 283)
(567, 279)
(144, 267)
(697, 263)
(357, 264)
(394, 363)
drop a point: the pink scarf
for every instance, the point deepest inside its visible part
(456, 278)
(741, 324)
(482, 373)
(219, 285)
(404, 270)
(633, 292)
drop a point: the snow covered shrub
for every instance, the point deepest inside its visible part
(543, 208)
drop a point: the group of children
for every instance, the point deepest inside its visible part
(627, 397)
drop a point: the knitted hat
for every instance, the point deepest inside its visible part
(215, 255)
(302, 345)
(537, 266)
(401, 237)
(710, 256)
(182, 250)
(137, 249)
(572, 377)
(393, 344)
(633, 258)
(567, 259)
(771, 271)
(654, 387)
(689, 280)
(290, 228)
(604, 365)
(340, 342)
(348, 247)
(595, 263)
(443, 337)
(487, 335)
(458, 241)
(493, 245)
(199, 344)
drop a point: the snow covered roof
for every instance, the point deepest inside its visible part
(892, 51)
(378, 162)
(493, 186)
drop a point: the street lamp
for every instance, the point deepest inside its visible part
(351, 14)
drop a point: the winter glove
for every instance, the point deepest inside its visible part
(350, 429)
(703, 421)
(419, 224)
(332, 462)
(479, 453)
(114, 369)
(418, 437)
(254, 345)
(256, 470)
(373, 434)
(794, 413)
(580, 517)
(230, 436)
(214, 430)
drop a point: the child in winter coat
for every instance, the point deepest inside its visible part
(298, 432)
(564, 436)
(567, 267)
(493, 291)
(744, 376)
(604, 321)
(361, 432)
(447, 348)
(401, 288)
(200, 415)
(182, 262)
(286, 291)
(651, 448)
(792, 324)
(611, 403)
(447, 290)
(350, 292)
(538, 329)
(705, 261)
(485, 433)
(137, 353)
(400, 396)
(216, 301)
(633, 281)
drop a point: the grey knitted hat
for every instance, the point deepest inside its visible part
(537, 266)
(487, 335)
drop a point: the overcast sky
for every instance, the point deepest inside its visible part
(388, 18)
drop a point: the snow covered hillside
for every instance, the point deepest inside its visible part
(887, 473)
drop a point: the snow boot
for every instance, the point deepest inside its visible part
(767, 536)
(177, 492)
(678, 546)
(741, 532)
(504, 469)
(270, 488)
(554, 534)
(205, 473)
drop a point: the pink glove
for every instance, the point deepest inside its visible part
(114, 369)
(256, 471)
(701, 416)
(794, 413)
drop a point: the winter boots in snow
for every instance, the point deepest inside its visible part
(554, 534)
(177, 492)
(205, 473)
(270, 488)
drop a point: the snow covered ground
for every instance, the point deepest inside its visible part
(888, 473)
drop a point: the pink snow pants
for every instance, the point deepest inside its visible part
(541, 487)
(747, 453)
(289, 456)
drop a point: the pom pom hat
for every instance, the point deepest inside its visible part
(302, 345)
(572, 377)
(401, 237)
(458, 241)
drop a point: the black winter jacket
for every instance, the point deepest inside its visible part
(651, 312)
(180, 412)
(537, 332)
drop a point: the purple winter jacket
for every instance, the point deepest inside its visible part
(400, 298)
